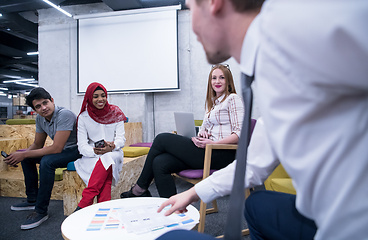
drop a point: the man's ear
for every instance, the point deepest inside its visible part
(216, 6)
(52, 100)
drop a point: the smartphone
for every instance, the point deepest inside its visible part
(100, 144)
(4, 154)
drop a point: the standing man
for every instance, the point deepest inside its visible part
(60, 125)
(309, 59)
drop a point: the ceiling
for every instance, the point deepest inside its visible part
(19, 35)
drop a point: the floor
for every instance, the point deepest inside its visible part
(10, 221)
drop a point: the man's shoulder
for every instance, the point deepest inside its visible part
(65, 113)
(39, 119)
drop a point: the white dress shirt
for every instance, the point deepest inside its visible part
(261, 162)
(311, 71)
(90, 132)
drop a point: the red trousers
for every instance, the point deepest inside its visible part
(99, 185)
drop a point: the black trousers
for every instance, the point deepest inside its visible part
(171, 153)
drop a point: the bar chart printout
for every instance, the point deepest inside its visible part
(137, 219)
(105, 219)
(144, 218)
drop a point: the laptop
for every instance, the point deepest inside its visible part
(185, 124)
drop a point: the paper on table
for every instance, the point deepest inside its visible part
(144, 218)
(105, 219)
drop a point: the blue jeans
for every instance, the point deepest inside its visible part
(48, 164)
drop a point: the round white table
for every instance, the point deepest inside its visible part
(103, 220)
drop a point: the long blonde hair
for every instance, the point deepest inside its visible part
(230, 87)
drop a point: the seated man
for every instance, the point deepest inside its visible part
(60, 124)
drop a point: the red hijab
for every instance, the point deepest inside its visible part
(109, 114)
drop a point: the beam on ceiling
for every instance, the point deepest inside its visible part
(24, 60)
(26, 68)
(23, 36)
(123, 4)
(9, 6)
(29, 27)
(11, 52)
(8, 39)
(22, 74)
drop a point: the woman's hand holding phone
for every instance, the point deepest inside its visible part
(102, 147)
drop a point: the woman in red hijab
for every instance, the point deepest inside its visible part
(100, 139)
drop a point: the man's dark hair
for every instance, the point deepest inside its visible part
(247, 5)
(37, 93)
(244, 5)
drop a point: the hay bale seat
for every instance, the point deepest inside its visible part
(74, 185)
(15, 137)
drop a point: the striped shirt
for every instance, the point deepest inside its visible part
(225, 118)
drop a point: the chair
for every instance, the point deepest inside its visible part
(194, 176)
(279, 181)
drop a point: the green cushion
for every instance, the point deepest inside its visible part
(135, 151)
(20, 121)
(58, 174)
(283, 185)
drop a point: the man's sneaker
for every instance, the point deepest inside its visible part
(23, 206)
(34, 220)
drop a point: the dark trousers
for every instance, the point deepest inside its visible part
(171, 153)
(48, 164)
(270, 215)
(185, 235)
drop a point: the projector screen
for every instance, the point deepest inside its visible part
(129, 51)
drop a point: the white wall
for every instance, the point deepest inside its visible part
(8, 103)
(58, 72)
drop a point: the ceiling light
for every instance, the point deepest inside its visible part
(1, 15)
(3, 94)
(9, 96)
(4, 88)
(32, 53)
(11, 76)
(58, 8)
(19, 80)
(27, 84)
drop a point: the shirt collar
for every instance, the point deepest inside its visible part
(56, 110)
(250, 47)
(219, 99)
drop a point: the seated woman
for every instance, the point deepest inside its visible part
(100, 165)
(171, 153)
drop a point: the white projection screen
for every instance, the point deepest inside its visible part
(129, 51)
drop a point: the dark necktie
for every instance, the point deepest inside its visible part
(236, 203)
